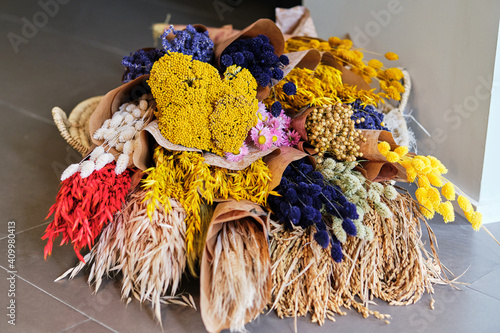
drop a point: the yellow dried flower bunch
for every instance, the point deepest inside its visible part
(342, 50)
(319, 87)
(185, 176)
(196, 108)
(427, 172)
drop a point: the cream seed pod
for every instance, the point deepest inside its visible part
(143, 105)
(87, 168)
(98, 151)
(109, 134)
(139, 124)
(70, 171)
(127, 133)
(113, 142)
(121, 163)
(119, 146)
(130, 107)
(106, 123)
(103, 160)
(116, 120)
(128, 147)
(99, 133)
(129, 119)
(136, 113)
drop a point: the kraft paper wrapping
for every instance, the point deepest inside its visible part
(302, 59)
(377, 168)
(278, 160)
(211, 159)
(260, 27)
(109, 104)
(225, 212)
(295, 21)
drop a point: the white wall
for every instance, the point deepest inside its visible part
(449, 48)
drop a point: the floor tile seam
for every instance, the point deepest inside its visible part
(492, 268)
(60, 300)
(482, 293)
(81, 39)
(27, 113)
(75, 325)
(24, 230)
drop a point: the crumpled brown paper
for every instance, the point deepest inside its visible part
(227, 211)
(295, 21)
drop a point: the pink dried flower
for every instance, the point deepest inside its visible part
(238, 157)
(262, 138)
(292, 138)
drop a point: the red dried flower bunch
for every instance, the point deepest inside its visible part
(84, 206)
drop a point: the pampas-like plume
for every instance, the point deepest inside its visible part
(150, 254)
(240, 273)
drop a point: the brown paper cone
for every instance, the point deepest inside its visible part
(299, 123)
(302, 59)
(377, 168)
(278, 160)
(110, 104)
(225, 212)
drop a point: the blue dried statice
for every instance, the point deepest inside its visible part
(190, 42)
(140, 63)
(306, 199)
(257, 55)
(372, 118)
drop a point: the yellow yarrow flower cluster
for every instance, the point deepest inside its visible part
(194, 104)
(427, 172)
(342, 50)
(185, 176)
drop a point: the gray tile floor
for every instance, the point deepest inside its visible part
(74, 54)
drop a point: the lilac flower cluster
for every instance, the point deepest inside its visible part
(190, 42)
(257, 55)
(140, 63)
(368, 116)
(307, 199)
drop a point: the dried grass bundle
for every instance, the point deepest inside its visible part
(300, 272)
(240, 274)
(150, 254)
(394, 267)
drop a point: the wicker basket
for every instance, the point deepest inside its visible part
(394, 118)
(75, 128)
